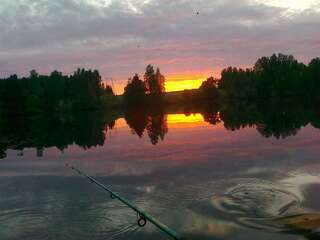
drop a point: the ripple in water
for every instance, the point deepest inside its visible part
(264, 205)
(55, 217)
(257, 200)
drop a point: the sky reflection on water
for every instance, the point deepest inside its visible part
(174, 180)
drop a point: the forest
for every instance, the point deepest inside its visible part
(83, 90)
(278, 76)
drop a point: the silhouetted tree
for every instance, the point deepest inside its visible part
(154, 81)
(86, 88)
(161, 81)
(33, 73)
(135, 91)
(108, 90)
(208, 89)
(313, 78)
(237, 82)
(279, 75)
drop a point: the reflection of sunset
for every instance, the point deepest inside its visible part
(182, 120)
(121, 122)
(178, 83)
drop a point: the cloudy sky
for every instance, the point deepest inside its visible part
(120, 37)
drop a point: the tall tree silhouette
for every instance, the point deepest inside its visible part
(208, 89)
(135, 91)
(154, 81)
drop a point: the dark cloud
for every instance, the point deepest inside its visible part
(120, 36)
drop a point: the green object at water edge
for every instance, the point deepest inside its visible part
(143, 216)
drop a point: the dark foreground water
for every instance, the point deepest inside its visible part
(196, 176)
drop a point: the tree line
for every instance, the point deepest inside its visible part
(82, 90)
(55, 92)
(41, 131)
(277, 76)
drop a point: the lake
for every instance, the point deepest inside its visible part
(207, 176)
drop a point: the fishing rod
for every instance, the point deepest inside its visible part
(143, 216)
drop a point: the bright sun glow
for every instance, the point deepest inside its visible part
(173, 83)
(179, 83)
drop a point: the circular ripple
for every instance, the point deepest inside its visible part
(264, 205)
(257, 200)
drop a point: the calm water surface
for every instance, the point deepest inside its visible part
(201, 179)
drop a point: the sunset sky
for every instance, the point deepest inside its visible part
(188, 40)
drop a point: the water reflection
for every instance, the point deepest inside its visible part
(185, 119)
(262, 205)
(273, 119)
(83, 129)
(198, 163)
(154, 123)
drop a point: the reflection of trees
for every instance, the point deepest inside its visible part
(109, 126)
(283, 119)
(210, 112)
(157, 127)
(277, 119)
(155, 123)
(212, 117)
(2, 153)
(137, 120)
(269, 131)
(83, 129)
(236, 116)
(315, 119)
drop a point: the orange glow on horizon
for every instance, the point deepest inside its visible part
(174, 82)
(182, 82)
